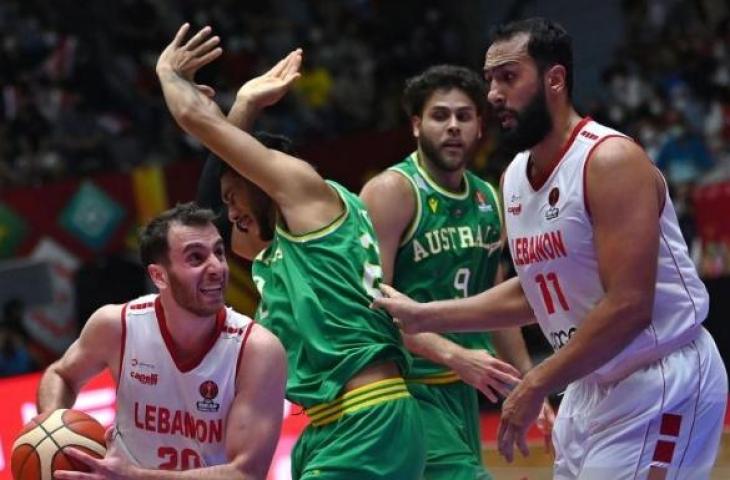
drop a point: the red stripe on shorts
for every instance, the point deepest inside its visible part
(670, 424)
(664, 451)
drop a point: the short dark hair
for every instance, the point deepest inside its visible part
(443, 77)
(153, 245)
(549, 44)
(262, 206)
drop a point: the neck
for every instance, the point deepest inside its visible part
(451, 181)
(544, 155)
(189, 332)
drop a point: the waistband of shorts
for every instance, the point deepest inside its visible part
(441, 378)
(357, 399)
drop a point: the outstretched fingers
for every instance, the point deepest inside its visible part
(198, 38)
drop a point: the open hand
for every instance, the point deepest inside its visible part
(186, 59)
(267, 89)
(485, 372)
(519, 410)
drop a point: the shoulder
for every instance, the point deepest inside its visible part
(391, 200)
(618, 152)
(107, 317)
(263, 355)
(104, 327)
(264, 345)
(391, 183)
(617, 166)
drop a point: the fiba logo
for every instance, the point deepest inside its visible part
(208, 390)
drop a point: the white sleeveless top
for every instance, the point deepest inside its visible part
(172, 411)
(550, 238)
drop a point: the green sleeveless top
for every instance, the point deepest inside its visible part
(316, 291)
(450, 250)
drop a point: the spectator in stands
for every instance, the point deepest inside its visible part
(15, 352)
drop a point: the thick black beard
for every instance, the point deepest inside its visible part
(533, 124)
(432, 153)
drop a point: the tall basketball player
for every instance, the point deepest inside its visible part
(602, 265)
(317, 267)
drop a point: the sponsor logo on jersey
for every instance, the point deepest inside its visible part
(140, 364)
(457, 213)
(588, 135)
(144, 378)
(515, 207)
(553, 197)
(208, 390)
(433, 204)
(559, 338)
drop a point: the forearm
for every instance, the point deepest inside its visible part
(432, 346)
(502, 306)
(608, 329)
(510, 347)
(243, 114)
(54, 392)
(186, 103)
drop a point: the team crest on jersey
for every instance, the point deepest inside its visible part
(208, 390)
(481, 200)
(553, 197)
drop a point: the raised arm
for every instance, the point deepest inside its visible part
(97, 348)
(252, 428)
(304, 199)
(475, 367)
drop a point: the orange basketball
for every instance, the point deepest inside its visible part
(39, 449)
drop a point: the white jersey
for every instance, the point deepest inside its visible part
(551, 241)
(172, 410)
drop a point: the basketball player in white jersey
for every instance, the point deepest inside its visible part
(602, 264)
(200, 387)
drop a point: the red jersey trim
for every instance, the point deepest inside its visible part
(243, 346)
(123, 345)
(559, 157)
(185, 364)
(585, 169)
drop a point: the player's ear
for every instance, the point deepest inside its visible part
(555, 78)
(416, 125)
(158, 275)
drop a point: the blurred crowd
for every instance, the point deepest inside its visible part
(669, 88)
(79, 92)
(79, 95)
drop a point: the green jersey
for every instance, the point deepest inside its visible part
(316, 291)
(450, 250)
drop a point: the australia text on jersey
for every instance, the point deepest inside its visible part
(454, 238)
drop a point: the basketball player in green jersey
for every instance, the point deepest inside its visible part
(440, 228)
(317, 267)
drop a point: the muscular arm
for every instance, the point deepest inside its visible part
(97, 347)
(304, 199)
(625, 212)
(477, 368)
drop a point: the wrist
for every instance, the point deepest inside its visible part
(537, 381)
